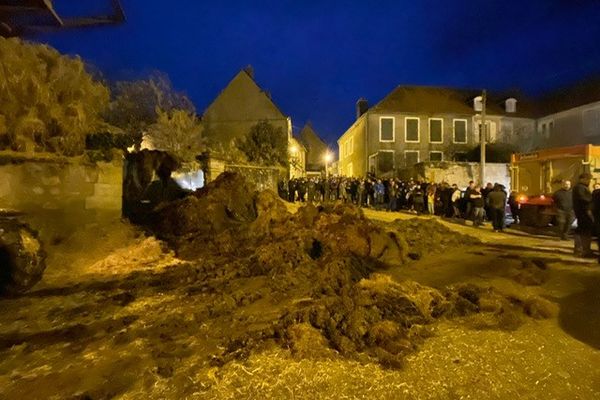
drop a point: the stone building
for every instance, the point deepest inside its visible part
(418, 123)
(316, 149)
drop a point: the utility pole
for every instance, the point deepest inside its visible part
(482, 137)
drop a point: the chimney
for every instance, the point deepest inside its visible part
(249, 70)
(362, 105)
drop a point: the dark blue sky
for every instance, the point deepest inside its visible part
(318, 57)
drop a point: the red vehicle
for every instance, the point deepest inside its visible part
(537, 175)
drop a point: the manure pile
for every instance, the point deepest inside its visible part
(314, 281)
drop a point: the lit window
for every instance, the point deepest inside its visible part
(435, 130)
(386, 129)
(460, 131)
(411, 130)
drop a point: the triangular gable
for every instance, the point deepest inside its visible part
(243, 100)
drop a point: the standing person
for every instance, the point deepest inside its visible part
(477, 204)
(418, 199)
(484, 192)
(370, 188)
(379, 193)
(431, 199)
(468, 201)
(514, 206)
(301, 189)
(563, 198)
(393, 195)
(497, 207)
(362, 190)
(311, 189)
(456, 199)
(582, 199)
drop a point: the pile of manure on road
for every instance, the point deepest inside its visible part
(315, 279)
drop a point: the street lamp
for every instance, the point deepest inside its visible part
(328, 157)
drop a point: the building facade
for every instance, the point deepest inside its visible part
(415, 124)
(570, 117)
(240, 106)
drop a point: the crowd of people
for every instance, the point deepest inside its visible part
(421, 197)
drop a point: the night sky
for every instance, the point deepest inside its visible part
(318, 57)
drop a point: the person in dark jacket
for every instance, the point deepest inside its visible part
(582, 199)
(563, 199)
(477, 203)
(496, 200)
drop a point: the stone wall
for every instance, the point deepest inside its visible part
(459, 172)
(47, 184)
(259, 178)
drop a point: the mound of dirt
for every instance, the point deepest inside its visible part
(223, 204)
(428, 236)
(314, 281)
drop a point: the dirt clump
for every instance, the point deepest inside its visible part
(531, 272)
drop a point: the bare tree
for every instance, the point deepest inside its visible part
(178, 132)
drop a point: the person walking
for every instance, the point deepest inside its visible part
(563, 198)
(496, 200)
(582, 199)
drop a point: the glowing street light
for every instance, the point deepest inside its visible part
(328, 157)
(294, 149)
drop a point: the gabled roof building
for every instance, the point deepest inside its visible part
(316, 148)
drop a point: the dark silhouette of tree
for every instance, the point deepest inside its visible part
(137, 105)
(264, 144)
(494, 152)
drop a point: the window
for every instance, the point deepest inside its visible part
(411, 127)
(491, 131)
(591, 122)
(436, 156)
(460, 131)
(386, 129)
(411, 157)
(385, 161)
(436, 126)
(546, 129)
